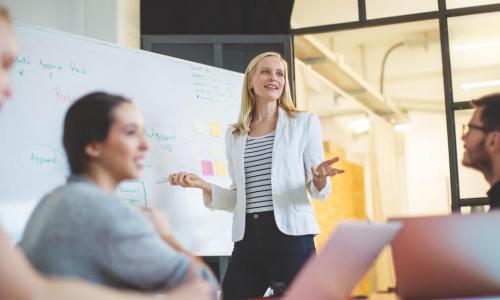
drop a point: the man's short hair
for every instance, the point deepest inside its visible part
(490, 115)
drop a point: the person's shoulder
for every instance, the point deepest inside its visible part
(87, 202)
(229, 131)
(64, 199)
(55, 207)
(303, 117)
(58, 196)
(77, 191)
(231, 135)
(82, 198)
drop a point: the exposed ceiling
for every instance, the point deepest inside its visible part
(413, 75)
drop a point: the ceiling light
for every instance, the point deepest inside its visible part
(476, 45)
(361, 125)
(402, 127)
(479, 84)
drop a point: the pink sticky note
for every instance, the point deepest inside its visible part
(207, 168)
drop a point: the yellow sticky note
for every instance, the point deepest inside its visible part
(220, 168)
(199, 127)
(214, 129)
(217, 149)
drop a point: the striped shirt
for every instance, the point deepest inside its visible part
(258, 162)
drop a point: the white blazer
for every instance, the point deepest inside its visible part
(297, 147)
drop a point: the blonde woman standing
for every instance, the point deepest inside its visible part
(275, 155)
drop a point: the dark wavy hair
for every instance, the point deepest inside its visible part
(88, 120)
(490, 115)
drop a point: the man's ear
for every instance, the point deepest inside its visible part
(93, 150)
(493, 142)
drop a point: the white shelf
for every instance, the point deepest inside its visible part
(332, 69)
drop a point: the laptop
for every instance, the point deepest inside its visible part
(342, 262)
(448, 256)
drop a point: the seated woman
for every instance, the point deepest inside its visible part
(19, 281)
(81, 229)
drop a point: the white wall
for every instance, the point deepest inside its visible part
(114, 21)
(421, 157)
(427, 165)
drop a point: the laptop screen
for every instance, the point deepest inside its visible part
(448, 256)
(342, 262)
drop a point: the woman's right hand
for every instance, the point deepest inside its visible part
(189, 180)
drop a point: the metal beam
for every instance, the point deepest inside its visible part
(448, 101)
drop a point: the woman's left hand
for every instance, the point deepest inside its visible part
(324, 170)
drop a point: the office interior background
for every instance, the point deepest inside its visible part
(391, 81)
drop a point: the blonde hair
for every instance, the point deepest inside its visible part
(247, 98)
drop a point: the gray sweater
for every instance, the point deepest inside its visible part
(78, 230)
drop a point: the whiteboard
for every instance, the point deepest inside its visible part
(186, 107)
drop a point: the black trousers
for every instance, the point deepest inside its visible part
(265, 256)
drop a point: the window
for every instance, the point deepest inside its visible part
(389, 8)
(450, 4)
(474, 48)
